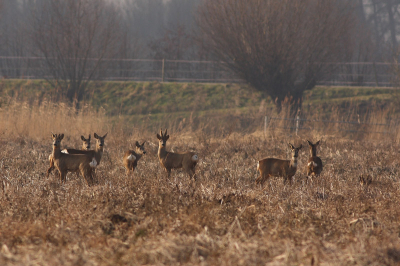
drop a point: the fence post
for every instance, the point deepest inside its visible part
(265, 125)
(297, 124)
(163, 70)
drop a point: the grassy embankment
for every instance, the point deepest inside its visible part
(207, 106)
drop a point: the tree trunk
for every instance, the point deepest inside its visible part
(392, 23)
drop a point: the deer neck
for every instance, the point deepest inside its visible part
(313, 152)
(293, 162)
(98, 149)
(162, 152)
(56, 152)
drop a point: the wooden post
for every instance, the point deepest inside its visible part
(265, 125)
(163, 70)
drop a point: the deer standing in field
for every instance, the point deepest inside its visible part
(97, 153)
(85, 146)
(314, 165)
(131, 157)
(65, 163)
(170, 160)
(276, 167)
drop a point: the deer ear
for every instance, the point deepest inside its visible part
(137, 144)
(105, 135)
(291, 146)
(96, 136)
(301, 146)
(159, 137)
(143, 143)
(317, 142)
(53, 136)
(161, 134)
(61, 136)
(89, 137)
(83, 138)
(309, 143)
(167, 137)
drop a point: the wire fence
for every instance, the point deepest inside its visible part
(298, 124)
(343, 74)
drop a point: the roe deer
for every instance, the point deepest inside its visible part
(277, 167)
(131, 157)
(72, 163)
(314, 165)
(97, 153)
(85, 146)
(170, 160)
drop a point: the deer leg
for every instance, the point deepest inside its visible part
(285, 178)
(50, 168)
(168, 172)
(262, 178)
(190, 172)
(290, 179)
(62, 176)
(86, 173)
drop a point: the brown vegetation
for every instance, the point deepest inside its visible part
(221, 218)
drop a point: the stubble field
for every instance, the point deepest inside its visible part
(221, 218)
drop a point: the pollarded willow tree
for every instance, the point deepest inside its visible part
(280, 47)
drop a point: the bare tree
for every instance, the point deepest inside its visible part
(280, 47)
(74, 37)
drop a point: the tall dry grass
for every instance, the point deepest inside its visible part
(36, 120)
(221, 218)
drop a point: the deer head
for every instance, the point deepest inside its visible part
(86, 143)
(295, 151)
(140, 148)
(57, 139)
(99, 140)
(162, 138)
(313, 147)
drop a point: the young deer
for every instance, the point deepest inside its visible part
(170, 160)
(97, 153)
(277, 167)
(314, 166)
(85, 146)
(72, 163)
(131, 157)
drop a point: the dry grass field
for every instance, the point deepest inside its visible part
(221, 218)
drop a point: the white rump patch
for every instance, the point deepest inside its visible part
(313, 164)
(65, 151)
(131, 157)
(93, 163)
(195, 158)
